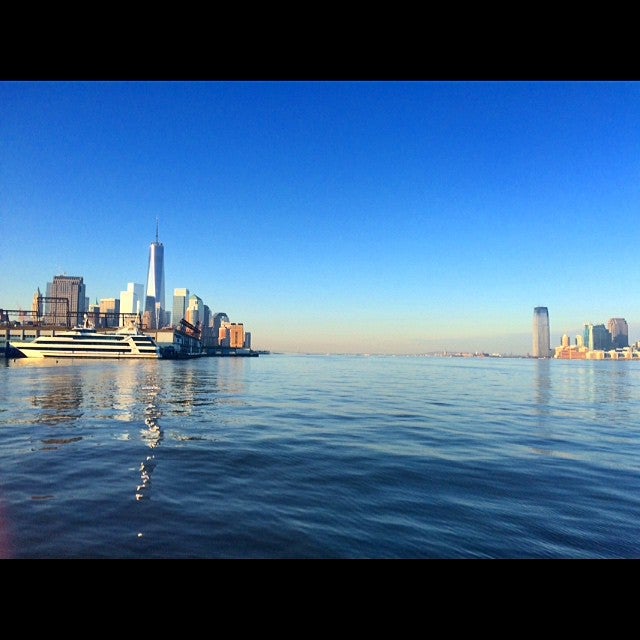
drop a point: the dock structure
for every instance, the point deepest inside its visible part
(235, 352)
(182, 341)
(174, 343)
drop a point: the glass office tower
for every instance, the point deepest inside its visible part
(154, 299)
(619, 330)
(596, 337)
(180, 304)
(541, 335)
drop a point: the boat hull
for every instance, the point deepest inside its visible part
(84, 344)
(36, 353)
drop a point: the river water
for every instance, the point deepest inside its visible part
(320, 456)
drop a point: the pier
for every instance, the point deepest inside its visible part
(173, 343)
(180, 342)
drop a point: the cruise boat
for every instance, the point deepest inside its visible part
(86, 342)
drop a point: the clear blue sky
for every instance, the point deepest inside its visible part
(378, 217)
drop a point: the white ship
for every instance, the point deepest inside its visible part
(87, 342)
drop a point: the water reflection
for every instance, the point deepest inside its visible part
(599, 396)
(620, 384)
(203, 383)
(542, 389)
(184, 385)
(117, 391)
(53, 443)
(604, 389)
(612, 395)
(546, 413)
(60, 399)
(152, 435)
(126, 395)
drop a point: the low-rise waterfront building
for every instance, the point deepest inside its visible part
(577, 352)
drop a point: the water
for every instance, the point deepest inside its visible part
(300, 456)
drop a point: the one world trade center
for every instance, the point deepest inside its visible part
(154, 299)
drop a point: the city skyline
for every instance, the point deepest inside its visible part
(617, 329)
(382, 217)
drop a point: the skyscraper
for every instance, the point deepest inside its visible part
(619, 331)
(71, 288)
(541, 335)
(154, 300)
(194, 310)
(131, 299)
(180, 304)
(109, 312)
(596, 337)
(216, 324)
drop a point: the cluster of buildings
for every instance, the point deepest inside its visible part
(597, 342)
(189, 319)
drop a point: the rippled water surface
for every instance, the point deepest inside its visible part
(300, 456)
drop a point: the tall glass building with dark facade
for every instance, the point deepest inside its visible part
(541, 334)
(619, 330)
(596, 337)
(154, 299)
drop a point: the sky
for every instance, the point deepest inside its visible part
(333, 216)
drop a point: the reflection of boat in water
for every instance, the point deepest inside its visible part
(87, 342)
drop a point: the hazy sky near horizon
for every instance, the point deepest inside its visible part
(350, 216)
